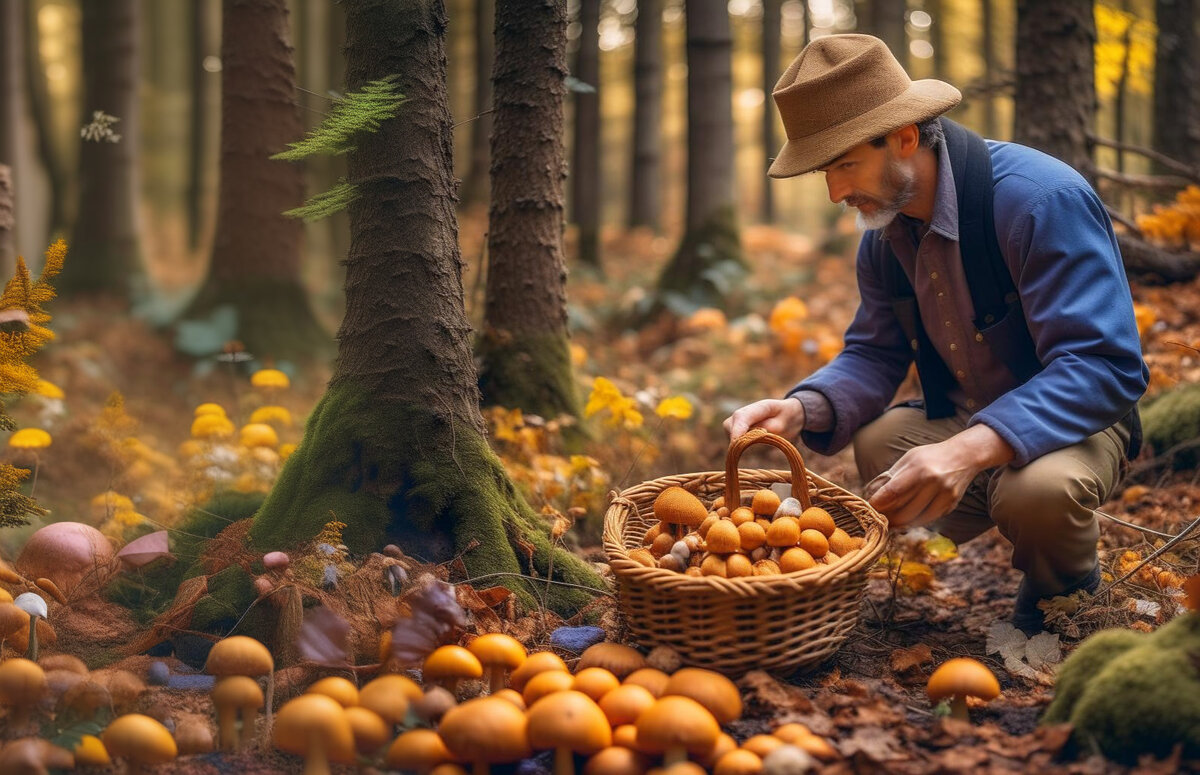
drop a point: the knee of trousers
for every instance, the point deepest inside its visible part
(1041, 500)
(878, 444)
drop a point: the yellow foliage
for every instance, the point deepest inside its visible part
(1144, 316)
(1124, 45)
(1176, 225)
(676, 407)
(607, 396)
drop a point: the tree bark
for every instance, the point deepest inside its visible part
(770, 74)
(1177, 81)
(105, 248)
(475, 189)
(11, 67)
(645, 193)
(49, 153)
(1056, 95)
(7, 219)
(585, 158)
(526, 360)
(990, 68)
(939, 39)
(396, 448)
(256, 259)
(709, 257)
(204, 96)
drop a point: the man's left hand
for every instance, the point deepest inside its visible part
(929, 481)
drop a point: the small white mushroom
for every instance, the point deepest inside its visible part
(681, 550)
(34, 605)
(788, 760)
(788, 507)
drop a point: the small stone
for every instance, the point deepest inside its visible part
(199, 683)
(158, 673)
(576, 639)
(329, 578)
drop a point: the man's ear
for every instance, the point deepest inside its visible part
(905, 141)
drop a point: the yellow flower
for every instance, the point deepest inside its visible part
(209, 408)
(208, 426)
(677, 407)
(110, 502)
(270, 415)
(604, 395)
(258, 435)
(47, 389)
(29, 438)
(270, 378)
(286, 450)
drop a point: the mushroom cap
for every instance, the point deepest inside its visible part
(258, 434)
(795, 559)
(448, 768)
(571, 720)
(29, 438)
(962, 677)
(237, 691)
(12, 620)
(269, 378)
(513, 696)
(22, 682)
(616, 760)
(751, 535)
(33, 604)
(537, 662)
(209, 408)
(304, 718)
(434, 704)
(139, 739)
(711, 689)
(336, 687)
(765, 502)
(625, 703)
(486, 729)
(90, 752)
(724, 745)
(817, 518)
(545, 683)
(615, 658)
(370, 731)
(723, 537)
(239, 655)
(739, 762)
(784, 531)
(761, 745)
(390, 696)
(33, 756)
(679, 507)
(595, 682)
(64, 552)
(418, 750)
(496, 648)
(209, 426)
(451, 662)
(192, 736)
(676, 721)
(653, 680)
(814, 542)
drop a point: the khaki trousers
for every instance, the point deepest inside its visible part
(1045, 508)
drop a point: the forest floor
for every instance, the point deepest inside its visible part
(927, 603)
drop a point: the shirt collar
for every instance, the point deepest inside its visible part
(945, 205)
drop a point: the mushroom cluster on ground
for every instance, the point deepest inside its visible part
(766, 536)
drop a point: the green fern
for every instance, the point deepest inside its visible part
(326, 204)
(358, 112)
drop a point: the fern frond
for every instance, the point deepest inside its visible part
(361, 111)
(326, 203)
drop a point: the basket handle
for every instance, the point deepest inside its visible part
(760, 436)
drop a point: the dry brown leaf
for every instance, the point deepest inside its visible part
(775, 697)
(876, 744)
(904, 660)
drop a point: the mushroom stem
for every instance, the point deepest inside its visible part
(316, 762)
(267, 728)
(227, 727)
(495, 678)
(249, 715)
(958, 707)
(31, 653)
(564, 761)
(675, 755)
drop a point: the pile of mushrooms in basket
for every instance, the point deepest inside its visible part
(770, 536)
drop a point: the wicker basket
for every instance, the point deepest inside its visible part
(780, 623)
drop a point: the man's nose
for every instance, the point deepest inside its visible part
(838, 190)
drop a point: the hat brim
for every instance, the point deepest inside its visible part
(923, 100)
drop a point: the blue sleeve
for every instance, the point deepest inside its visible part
(1080, 314)
(864, 376)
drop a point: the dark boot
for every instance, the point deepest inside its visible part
(1030, 619)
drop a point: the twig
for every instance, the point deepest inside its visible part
(532, 581)
(1139, 528)
(1175, 165)
(1181, 536)
(1140, 181)
(473, 118)
(1165, 457)
(1123, 219)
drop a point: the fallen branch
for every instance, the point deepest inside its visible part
(1134, 180)
(1149, 262)
(1174, 165)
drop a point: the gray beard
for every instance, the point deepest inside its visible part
(902, 180)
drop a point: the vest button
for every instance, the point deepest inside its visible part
(914, 344)
(978, 337)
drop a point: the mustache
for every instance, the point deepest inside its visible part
(858, 200)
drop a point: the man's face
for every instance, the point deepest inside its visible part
(873, 181)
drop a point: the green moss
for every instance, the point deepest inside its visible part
(398, 473)
(529, 371)
(1085, 663)
(707, 267)
(222, 610)
(1171, 419)
(1145, 701)
(1183, 630)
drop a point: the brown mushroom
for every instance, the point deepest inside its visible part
(740, 762)
(595, 682)
(817, 518)
(570, 722)
(542, 684)
(485, 731)
(419, 751)
(675, 727)
(448, 665)
(723, 537)
(22, 686)
(765, 502)
(623, 704)
(711, 689)
(340, 689)
(654, 681)
(234, 697)
(140, 740)
(615, 658)
(616, 760)
(390, 696)
(680, 509)
(436, 701)
(371, 732)
(315, 727)
(498, 653)
(34, 756)
(959, 678)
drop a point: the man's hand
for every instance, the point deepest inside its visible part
(929, 481)
(783, 417)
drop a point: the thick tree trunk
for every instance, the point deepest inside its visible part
(709, 258)
(475, 188)
(991, 68)
(771, 71)
(526, 360)
(205, 96)
(11, 67)
(1177, 81)
(49, 153)
(938, 38)
(396, 448)
(105, 250)
(1056, 94)
(645, 193)
(585, 155)
(255, 266)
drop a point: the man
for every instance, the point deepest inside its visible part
(994, 267)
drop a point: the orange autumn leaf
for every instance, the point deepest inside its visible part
(1191, 591)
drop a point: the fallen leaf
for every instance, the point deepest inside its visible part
(434, 612)
(774, 696)
(1006, 640)
(876, 744)
(145, 550)
(1191, 590)
(904, 660)
(324, 638)
(1043, 651)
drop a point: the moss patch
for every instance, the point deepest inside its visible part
(529, 371)
(1171, 419)
(1083, 665)
(705, 270)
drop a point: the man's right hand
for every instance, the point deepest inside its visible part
(783, 417)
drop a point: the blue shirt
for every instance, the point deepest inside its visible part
(1059, 246)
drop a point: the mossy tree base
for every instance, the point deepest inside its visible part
(398, 473)
(275, 320)
(706, 268)
(529, 371)
(1171, 419)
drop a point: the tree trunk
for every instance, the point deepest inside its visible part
(645, 193)
(11, 65)
(770, 74)
(475, 189)
(526, 360)
(709, 258)
(939, 39)
(1177, 81)
(1056, 95)
(990, 68)
(205, 93)
(49, 153)
(105, 250)
(585, 158)
(396, 448)
(255, 266)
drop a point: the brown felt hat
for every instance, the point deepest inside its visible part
(845, 90)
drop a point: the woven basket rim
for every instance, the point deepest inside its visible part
(875, 541)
